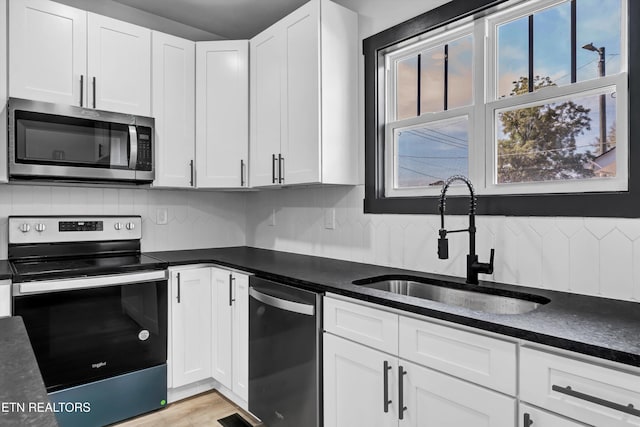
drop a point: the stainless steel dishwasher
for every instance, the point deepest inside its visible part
(284, 354)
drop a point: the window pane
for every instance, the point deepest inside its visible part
(429, 154)
(598, 22)
(513, 55)
(460, 73)
(407, 88)
(432, 80)
(552, 46)
(557, 141)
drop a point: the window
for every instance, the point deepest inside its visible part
(529, 99)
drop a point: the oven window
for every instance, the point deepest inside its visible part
(86, 335)
(47, 139)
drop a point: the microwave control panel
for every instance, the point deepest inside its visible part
(145, 154)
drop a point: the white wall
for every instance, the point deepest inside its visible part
(581, 255)
(196, 219)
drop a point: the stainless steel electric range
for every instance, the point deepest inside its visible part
(95, 310)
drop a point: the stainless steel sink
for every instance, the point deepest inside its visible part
(454, 294)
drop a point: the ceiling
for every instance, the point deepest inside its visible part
(235, 19)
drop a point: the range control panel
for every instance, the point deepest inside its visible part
(80, 225)
(50, 229)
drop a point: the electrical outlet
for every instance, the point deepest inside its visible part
(162, 216)
(272, 218)
(330, 218)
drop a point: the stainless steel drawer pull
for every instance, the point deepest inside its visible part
(81, 90)
(628, 409)
(527, 420)
(178, 296)
(385, 369)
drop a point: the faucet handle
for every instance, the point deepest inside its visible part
(493, 252)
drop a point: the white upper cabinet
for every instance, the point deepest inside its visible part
(48, 52)
(173, 107)
(65, 55)
(222, 114)
(119, 66)
(304, 98)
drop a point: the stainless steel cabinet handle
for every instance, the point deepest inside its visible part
(178, 296)
(401, 407)
(273, 168)
(385, 369)
(283, 304)
(527, 420)
(231, 298)
(280, 169)
(191, 179)
(81, 89)
(241, 173)
(94, 92)
(628, 409)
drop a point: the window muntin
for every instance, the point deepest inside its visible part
(508, 31)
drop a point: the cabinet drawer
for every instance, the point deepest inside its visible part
(483, 360)
(530, 416)
(366, 325)
(585, 391)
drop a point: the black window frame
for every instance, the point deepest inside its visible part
(618, 204)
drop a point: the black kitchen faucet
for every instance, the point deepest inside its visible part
(473, 266)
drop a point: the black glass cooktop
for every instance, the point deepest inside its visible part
(83, 266)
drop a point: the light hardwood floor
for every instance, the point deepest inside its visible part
(201, 410)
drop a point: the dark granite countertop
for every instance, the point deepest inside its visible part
(5, 270)
(23, 397)
(599, 327)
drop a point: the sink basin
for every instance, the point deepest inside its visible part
(486, 300)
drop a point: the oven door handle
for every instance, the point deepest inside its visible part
(283, 304)
(46, 286)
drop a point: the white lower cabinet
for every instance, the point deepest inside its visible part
(534, 417)
(354, 385)
(230, 330)
(373, 387)
(5, 298)
(433, 399)
(190, 330)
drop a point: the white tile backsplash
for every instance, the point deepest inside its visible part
(196, 219)
(592, 256)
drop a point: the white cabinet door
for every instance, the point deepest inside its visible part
(174, 109)
(241, 336)
(534, 417)
(5, 296)
(354, 385)
(300, 144)
(48, 52)
(221, 315)
(267, 55)
(190, 325)
(119, 65)
(433, 399)
(222, 113)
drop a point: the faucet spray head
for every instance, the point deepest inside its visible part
(443, 245)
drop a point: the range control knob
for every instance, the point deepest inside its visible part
(25, 228)
(40, 228)
(130, 226)
(118, 226)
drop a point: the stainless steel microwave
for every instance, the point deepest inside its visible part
(63, 142)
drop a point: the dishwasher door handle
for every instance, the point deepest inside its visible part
(283, 304)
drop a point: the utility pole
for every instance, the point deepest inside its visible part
(603, 98)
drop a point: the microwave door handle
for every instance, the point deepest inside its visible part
(133, 147)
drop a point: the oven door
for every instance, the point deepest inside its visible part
(87, 329)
